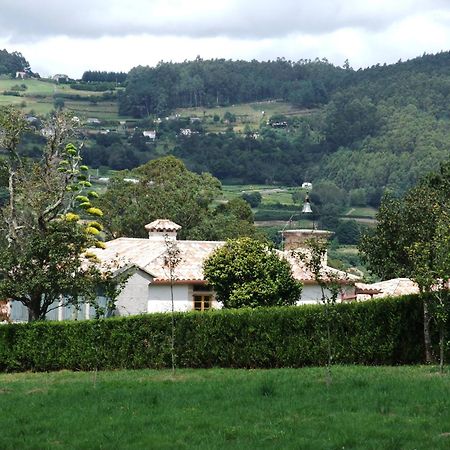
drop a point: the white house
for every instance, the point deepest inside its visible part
(151, 134)
(148, 289)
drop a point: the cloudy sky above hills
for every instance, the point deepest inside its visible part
(74, 36)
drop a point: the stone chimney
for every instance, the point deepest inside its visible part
(297, 239)
(294, 239)
(160, 229)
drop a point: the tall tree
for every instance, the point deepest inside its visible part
(165, 188)
(410, 240)
(43, 239)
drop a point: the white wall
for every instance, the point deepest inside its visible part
(19, 313)
(134, 296)
(312, 294)
(160, 300)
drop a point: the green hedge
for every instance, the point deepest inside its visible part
(385, 331)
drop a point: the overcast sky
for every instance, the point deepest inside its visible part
(73, 36)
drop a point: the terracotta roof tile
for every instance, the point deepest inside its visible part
(151, 257)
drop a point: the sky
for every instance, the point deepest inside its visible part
(71, 37)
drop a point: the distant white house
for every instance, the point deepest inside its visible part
(60, 78)
(186, 132)
(21, 75)
(93, 121)
(148, 288)
(151, 134)
(307, 185)
(47, 132)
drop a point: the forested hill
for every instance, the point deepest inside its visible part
(270, 122)
(372, 129)
(305, 83)
(156, 90)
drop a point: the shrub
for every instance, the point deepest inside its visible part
(384, 331)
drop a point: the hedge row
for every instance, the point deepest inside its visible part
(385, 331)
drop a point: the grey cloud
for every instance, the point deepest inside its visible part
(25, 20)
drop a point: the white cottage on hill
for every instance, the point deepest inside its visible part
(148, 287)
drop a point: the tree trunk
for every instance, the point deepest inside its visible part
(426, 332)
(33, 315)
(441, 348)
(34, 308)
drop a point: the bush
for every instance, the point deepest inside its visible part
(384, 331)
(252, 198)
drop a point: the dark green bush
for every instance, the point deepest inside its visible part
(385, 331)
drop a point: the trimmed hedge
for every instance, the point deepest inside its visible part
(385, 331)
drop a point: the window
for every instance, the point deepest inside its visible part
(202, 302)
(203, 297)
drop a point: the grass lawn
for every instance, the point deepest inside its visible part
(363, 408)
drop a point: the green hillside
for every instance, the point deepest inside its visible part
(38, 96)
(267, 123)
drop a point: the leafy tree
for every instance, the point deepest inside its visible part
(10, 63)
(245, 272)
(165, 188)
(252, 198)
(47, 267)
(42, 238)
(411, 240)
(348, 232)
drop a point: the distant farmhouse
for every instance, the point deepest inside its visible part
(60, 78)
(151, 134)
(93, 121)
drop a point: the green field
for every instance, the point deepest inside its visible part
(363, 408)
(363, 212)
(38, 98)
(270, 194)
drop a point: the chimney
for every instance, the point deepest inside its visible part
(160, 229)
(297, 239)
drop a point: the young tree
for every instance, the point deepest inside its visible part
(171, 260)
(330, 287)
(43, 239)
(245, 272)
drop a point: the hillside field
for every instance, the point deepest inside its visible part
(251, 114)
(38, 98)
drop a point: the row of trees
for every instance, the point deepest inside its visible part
(98, 76)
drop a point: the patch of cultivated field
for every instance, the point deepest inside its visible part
(38, 98)
(246, 113)
(362, 408)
